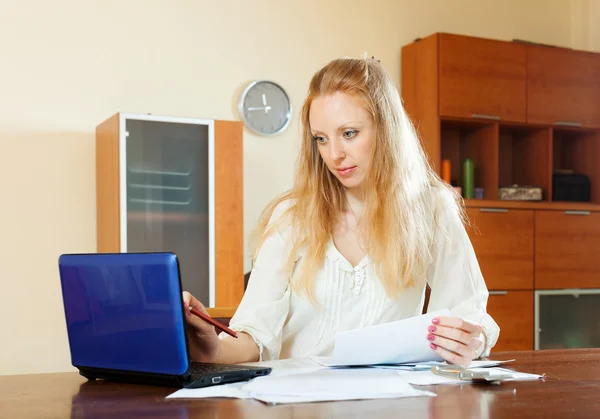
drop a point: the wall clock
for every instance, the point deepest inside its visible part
(265, 107)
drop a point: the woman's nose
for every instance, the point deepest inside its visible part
(337, 150)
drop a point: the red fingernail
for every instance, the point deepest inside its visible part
(433, 346)
(430, 337)
(431, 328)
(435, 320)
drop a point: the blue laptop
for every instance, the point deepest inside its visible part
(125, 321)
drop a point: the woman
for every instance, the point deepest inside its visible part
(366, 226)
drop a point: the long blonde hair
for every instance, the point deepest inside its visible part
(402, 190)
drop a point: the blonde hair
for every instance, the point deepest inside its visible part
(402, 190)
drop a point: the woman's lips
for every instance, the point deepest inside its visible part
(346, 171)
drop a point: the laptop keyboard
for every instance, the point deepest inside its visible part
(201, 369)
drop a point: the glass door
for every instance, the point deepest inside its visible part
(169, 195)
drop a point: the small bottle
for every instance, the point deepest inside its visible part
(468, 181)
(446, 171)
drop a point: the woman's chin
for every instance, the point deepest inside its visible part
(351, 183)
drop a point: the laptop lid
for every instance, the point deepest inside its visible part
(124, 312)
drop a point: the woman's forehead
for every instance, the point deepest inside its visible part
(335, 110)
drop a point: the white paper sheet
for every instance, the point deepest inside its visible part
(402, 341)
(332, 384)
(295, 384)
(425, 378)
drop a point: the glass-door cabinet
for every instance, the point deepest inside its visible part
(175, 184)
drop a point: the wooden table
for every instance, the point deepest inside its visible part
(571, 389)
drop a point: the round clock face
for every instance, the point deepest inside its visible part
(265, 107)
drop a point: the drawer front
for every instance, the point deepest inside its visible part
(567, 249)
(503, 243)
(513, 311)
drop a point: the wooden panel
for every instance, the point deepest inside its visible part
(566, 250)
(107, 186)
(503, 243)
(229, 213)
(563, 86)
(221, 312)
(482, 77)
(513, 311)
(419, 90)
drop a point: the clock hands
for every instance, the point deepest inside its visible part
(264, 99)
(260, 108)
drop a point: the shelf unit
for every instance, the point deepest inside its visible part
(520, 111)
(175, 184)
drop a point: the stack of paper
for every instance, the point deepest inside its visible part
(322, 384)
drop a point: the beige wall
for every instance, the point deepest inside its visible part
(67, 65)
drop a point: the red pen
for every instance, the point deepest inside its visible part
(212, 321)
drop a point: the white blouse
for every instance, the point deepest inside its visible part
(285, 324)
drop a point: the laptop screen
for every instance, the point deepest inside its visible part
(124, 311)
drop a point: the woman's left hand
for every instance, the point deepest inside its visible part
(456, 340)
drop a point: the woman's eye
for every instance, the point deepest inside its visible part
(320, 139)
(350, 133)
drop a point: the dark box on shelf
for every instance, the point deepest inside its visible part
(571, 187)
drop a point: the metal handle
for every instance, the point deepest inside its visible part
(575, 212)
(498, 292)
(484, 116)
(568, 123)
(493, 210)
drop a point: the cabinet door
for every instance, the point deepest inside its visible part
(567, 245)
(503, 243)
(482, 78)
(563, 87)
(513, 311)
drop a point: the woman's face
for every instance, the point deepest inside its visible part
(344, 132)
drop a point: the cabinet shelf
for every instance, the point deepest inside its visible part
(475, 140)
(554, 206)
(172, 217)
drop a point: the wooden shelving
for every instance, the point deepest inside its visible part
(520, 112)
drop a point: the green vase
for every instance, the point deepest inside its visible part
(468, 181)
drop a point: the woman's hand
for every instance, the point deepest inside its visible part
(202, 336)
(456, 340)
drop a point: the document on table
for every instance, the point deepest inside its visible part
(425, 378)
(298, 385)
(398, 342)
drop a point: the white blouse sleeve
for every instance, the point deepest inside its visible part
(265, 304)
(455, 277)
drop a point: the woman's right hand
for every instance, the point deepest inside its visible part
(202, 337)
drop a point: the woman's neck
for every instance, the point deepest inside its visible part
(355, 201)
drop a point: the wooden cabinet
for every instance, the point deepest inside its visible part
(503, 243)
(175, 184)
(567, 245)
(563, 87)
(513, 311)
(520, 112)
(482, 78)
